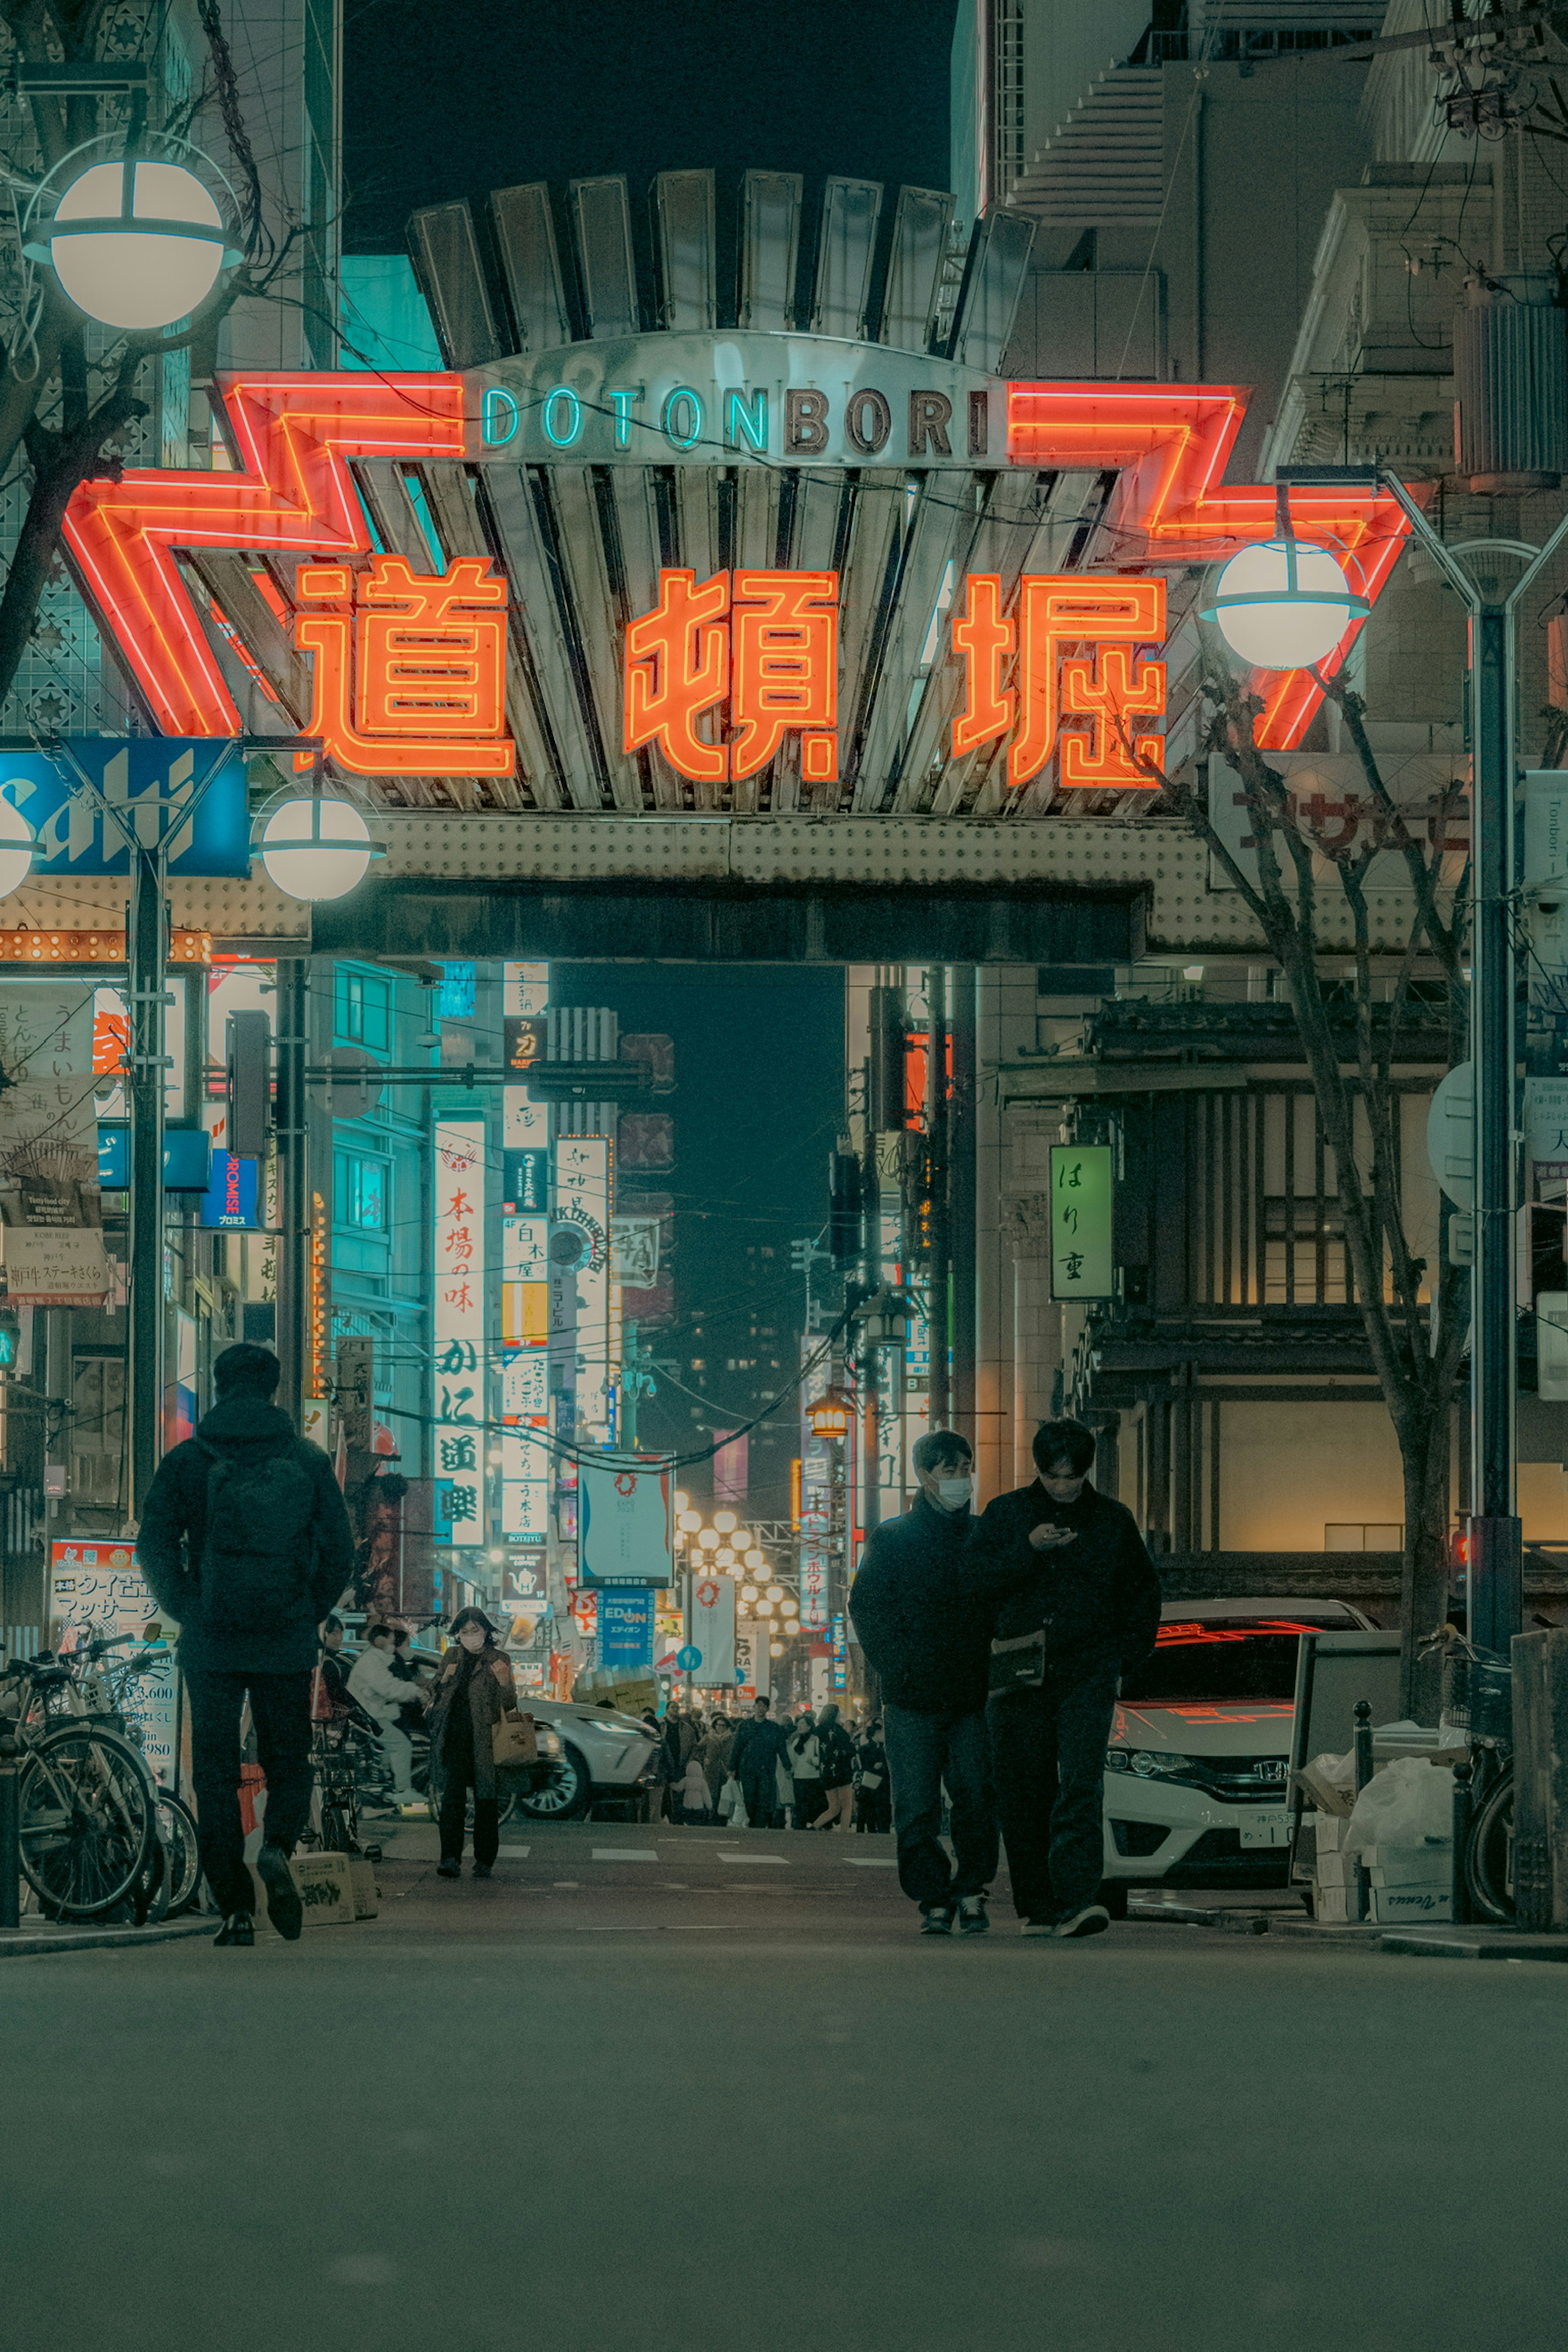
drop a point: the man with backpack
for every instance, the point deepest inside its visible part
(246, 1541)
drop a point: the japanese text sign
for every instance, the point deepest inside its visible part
(410, 668)
(1082, 1184)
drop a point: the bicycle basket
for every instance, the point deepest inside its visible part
(1477, 1696)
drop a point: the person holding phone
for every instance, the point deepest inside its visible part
(1062, 1639)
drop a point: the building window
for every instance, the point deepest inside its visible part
(362, 1191)
(364, 1008)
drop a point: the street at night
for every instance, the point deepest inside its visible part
(736, 2099)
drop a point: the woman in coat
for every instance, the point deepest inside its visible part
(837, 1754)
(472, 1693)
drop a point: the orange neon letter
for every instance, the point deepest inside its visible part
(1063, 610)
(430, 690)
(785, 670)
(985, 640)
(676, 666)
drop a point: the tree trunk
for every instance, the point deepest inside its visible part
(1426, 1447)
(67, 466)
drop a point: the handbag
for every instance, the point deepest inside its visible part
(512, 1742)
(1018, 1663)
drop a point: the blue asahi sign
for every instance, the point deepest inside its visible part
(187, 792)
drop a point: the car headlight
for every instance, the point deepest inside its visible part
(548, 1743)
(1116, 1760)
(1153, 1764)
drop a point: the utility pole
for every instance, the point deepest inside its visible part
(147, 947)
(293, 1191)
(939, 1247)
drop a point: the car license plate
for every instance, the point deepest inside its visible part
(1270, 1827)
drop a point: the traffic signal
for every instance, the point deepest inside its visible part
(250, 1058)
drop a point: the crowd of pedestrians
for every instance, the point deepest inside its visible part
(998, 1645)
(804, 1771)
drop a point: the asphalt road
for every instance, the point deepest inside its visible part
(681, 2100)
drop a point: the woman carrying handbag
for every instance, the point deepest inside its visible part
(472, 1694)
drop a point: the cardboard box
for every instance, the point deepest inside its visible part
(325, 1881)
(1335, 1903)
(1331, 1832)
(1337, 1869)
(366, 1893)
(1328, 1799)
(1409, 1865)
(1392, 1906)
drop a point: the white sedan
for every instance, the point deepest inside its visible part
(1196, 1772)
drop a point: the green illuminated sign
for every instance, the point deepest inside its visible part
(1081, 1221)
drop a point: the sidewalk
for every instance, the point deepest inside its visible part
(1281, 1915)
(38, 1938)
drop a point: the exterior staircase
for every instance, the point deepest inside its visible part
(1104, 167)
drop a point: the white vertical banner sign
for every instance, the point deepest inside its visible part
(459, 1357)
(583, 1199)
(525, 1392)
(712, 1627)
(626, 1525)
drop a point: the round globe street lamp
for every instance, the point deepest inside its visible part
(136, 241)
(314, 845)
(16, 846)
(1286, 602)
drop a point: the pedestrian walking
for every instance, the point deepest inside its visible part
(925, 1617)
(245, 1542)
(692, 1793)
(808, 1796)
(836, 1751)
(873, 1806)
(1088, 1614)
(374, 1685)
(753, 1759)
(472, 1693)
(713, 1750)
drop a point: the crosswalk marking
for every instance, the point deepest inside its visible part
(625, 1854)
(781, 1861)
(871, 1860)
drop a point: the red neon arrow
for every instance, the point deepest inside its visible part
(293, 433)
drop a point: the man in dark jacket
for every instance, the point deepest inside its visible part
(923, 1619)
(1087, 1615)
(753, 1761)
(245, 1540)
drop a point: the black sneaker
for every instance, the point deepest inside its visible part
(239, 1927)
(1093, 1920)
(972, 1919)
(936, 1918)
(284, 1907)
(450, 1867)
(481, 1869)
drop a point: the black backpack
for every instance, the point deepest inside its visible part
(260, 1548)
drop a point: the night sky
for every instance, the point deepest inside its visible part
(455, 99)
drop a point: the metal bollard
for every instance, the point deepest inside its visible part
(1363, 1746)
(1462, 1810)
(10, 1831)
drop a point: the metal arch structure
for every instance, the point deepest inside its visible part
(843, 412)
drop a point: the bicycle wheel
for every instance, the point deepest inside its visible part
(177, 1827)
(1489, 1854)
(88, 1820)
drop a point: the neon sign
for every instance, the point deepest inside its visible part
(294, 434)
(427, 695)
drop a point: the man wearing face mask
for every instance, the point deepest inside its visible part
(924, 1624)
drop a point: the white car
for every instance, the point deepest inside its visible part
(605, 1755)
(1195, 1779)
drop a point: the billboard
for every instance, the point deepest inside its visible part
(626, 1524)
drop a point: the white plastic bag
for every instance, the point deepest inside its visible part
(731, 1804)
(1404, 1805)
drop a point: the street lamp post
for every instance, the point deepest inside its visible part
(1288, 602)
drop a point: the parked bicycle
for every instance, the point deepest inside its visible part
(1477, 1699)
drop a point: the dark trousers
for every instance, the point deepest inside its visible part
(810, 1802)
(454, 1817)
(1048, 1750)
(924, 1752)
(760, 1797)
(281, 1710)
(874, 1811)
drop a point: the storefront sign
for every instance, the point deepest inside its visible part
(459, 1326)
(165, 789)
(410, 668)
(1081, 1180)
(54, 1266)
(626, 1525)
(711, 1627)
(626, 1630)
(96, 1593)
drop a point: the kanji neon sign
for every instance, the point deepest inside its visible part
(764, 641)
(294, 435)
(1056, 614)
(423, 691)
